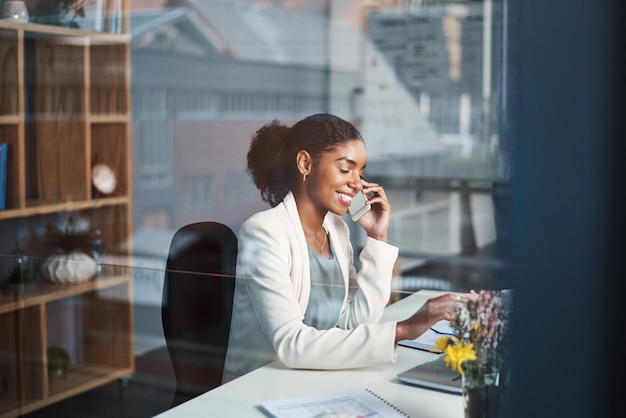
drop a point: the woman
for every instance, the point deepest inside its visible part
(298, 296)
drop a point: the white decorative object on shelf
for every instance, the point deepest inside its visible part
(71, 263)
(75, 267)
(104, 179)
(14, 10)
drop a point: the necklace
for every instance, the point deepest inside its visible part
(321, 247)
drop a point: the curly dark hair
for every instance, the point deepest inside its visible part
(273, 149)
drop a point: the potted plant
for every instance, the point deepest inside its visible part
(58, 363)
(16, 282)
(71, 264)
(58, 12)
(19, 277)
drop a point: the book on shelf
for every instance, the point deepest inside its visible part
(354, 402)
(4, 162)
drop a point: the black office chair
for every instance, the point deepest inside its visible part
(196, 306)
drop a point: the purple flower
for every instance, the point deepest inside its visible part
(481, 319)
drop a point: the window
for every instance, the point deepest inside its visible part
(154, 138)
(239, 188)
(197, 193)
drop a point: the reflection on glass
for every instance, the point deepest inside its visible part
(425, 82)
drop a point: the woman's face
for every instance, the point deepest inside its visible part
(336, 178)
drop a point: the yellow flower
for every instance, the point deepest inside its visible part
(444, 342)
(457, 354)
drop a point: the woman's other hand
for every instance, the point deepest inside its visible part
(433, 311)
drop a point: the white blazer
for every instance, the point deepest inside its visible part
(272, 293)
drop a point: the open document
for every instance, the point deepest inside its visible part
(428, 340)
(353, 403)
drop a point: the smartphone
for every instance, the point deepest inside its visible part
(358, 207)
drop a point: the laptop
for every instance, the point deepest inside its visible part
(433, 375)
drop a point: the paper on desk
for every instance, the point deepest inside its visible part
(428, 340)
(351, 403)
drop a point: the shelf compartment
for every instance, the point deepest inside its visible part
(108, 331)
(21, 372)
(60, 172)
(9, 73)
(95, 328)
(57, 67)
(55, 126)
(109, 79)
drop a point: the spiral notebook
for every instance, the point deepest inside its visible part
(355, 402)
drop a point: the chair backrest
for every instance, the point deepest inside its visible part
(197, 304)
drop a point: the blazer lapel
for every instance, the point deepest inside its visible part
(301, 277)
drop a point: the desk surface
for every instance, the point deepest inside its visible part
(240, 397)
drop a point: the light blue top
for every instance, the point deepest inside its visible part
(327, 292)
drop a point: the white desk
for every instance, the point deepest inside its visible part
(240, 397)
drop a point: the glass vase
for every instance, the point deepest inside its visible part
(480, 395)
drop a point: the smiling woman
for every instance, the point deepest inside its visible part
(298, 296)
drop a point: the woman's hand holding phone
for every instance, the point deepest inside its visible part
(375, 219)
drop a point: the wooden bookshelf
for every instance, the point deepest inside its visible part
(65, 99)
(101, 330)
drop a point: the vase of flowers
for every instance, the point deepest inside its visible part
(479, 351)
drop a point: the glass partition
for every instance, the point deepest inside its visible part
(169, 107)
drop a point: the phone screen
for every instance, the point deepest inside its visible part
(358, 207)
